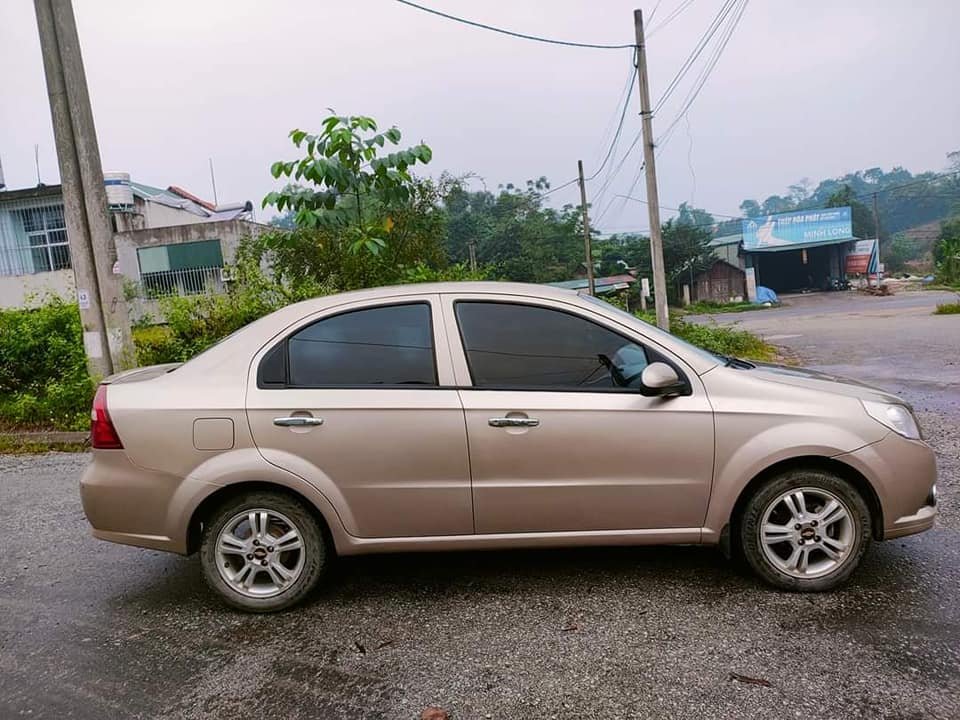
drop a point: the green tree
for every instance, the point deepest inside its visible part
(861, 215)
(514, 232)
(348, 173)
(751, 208)
(686, 253)
(415, 231)
(690, 215)
(946, 252)
(899, 252)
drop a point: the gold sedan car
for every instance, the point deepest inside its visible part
(468, 416)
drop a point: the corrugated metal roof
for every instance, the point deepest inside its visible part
(725, 240)
(602, 284)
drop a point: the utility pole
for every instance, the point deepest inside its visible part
(103, 311)
(586, 231)
(653, 197)
(876, 231)
(472, 247)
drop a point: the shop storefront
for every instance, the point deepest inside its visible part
(798, 251)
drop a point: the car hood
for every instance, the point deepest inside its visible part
(824, 382)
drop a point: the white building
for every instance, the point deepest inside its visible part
(155, 249)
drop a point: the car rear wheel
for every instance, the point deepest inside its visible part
(263, 551)
(805, 530)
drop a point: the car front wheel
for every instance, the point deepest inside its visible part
(262, 551)
(805, 530)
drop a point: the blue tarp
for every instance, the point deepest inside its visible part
(766, 295)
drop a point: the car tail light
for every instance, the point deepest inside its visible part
(103, 435)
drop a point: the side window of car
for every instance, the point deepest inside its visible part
(388, 345)
(524, 346)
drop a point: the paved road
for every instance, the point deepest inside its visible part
(90, 630)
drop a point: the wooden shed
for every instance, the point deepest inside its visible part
(722, 283)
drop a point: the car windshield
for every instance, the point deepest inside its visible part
(654, 331)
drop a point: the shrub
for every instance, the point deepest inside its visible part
(43, 369)
(724, 340)
(195, 322)
(947, 309)
(155, 345)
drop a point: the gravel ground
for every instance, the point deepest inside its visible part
(92, 630)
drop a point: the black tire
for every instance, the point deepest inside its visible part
(752, 517)
(314, 546)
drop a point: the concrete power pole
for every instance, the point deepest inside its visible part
(472, 247)
(588, 253)
(653, 197)
(103, 310)
(876, 231)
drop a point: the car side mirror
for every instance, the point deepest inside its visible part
(660, 380)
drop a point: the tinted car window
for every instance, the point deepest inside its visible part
(510, 345)
(390, 345)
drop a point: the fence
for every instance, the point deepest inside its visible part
(185, 281)
(36, 259)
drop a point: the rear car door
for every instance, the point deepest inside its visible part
(555, 445)
(353, 402)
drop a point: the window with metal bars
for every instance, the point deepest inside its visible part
(46, 234)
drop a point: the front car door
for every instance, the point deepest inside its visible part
(358, 402)
(555, 444)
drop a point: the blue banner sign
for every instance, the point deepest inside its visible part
(804, 227)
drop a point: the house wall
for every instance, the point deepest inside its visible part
(228, 232)
(18, 290)
(729, 253)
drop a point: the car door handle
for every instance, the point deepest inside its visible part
(513, 422)
(297, 421)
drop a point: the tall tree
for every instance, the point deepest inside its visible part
(351, 179)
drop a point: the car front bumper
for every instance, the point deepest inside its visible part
(903, 473)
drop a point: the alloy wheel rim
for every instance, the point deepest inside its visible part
(807, 532)
(260, 553)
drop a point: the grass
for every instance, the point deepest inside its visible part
(947, 309)
(725, 340)
(720, 339)
(708, 307)
(13, 445)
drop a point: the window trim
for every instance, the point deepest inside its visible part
(659, 356)
(286, 385)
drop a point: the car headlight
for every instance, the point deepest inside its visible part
(896, 417)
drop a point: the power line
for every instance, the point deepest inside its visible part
(616, 137)
(670, 18)
(616, 111)
(705, 73)
(654, 11)
(676, 209)
(523, 36)
(695, 53)
(560, 187)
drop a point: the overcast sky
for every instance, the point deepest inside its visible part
(805, 88)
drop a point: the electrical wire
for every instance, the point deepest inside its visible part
(670, 18)
(552, 190)
(616, 110)
(654, 11)
(522, 36)
(705, 73)
(698, 49)
(616, 137)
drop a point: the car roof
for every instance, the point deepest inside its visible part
(432, 288)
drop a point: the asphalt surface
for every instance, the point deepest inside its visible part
(93, 630)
